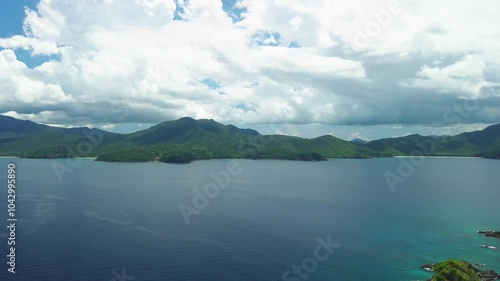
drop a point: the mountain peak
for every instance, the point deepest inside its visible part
(358, 140)
(184, 119)
(185, 129)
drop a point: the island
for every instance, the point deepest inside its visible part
(186, 140)
(178, 141)
(459, 270)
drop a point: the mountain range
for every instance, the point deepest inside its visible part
(187, 139)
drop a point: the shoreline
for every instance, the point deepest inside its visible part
(327, 159)
(430, 156)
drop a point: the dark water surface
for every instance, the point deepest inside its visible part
(108, 221)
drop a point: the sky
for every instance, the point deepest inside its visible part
(353, 69)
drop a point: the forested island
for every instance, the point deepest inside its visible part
(186, 139)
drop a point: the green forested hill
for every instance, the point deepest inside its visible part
(485, 143)
(188, 139)
(181, 140)
(22, 138)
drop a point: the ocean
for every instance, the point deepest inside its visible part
(248, 219)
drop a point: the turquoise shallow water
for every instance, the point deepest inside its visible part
(104, 217)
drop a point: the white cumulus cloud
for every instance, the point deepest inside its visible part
(294, 61)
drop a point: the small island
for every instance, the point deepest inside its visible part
(457, 270)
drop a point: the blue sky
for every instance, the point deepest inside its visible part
(12, 15)
(353, 69)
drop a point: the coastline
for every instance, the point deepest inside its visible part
(88, 158)
(17, 157)
(430, 156)
(326, 159)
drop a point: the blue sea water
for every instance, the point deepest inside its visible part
(109, 221)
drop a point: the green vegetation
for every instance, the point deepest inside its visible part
(138, 154)
(485, 143)
(186, 140)
(492, 153)
(454, 270)
(178, 158)
(28, 139)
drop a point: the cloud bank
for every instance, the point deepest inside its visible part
(255, 61)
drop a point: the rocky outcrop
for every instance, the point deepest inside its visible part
(487, 275)
(428, 267)
(490, 233)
